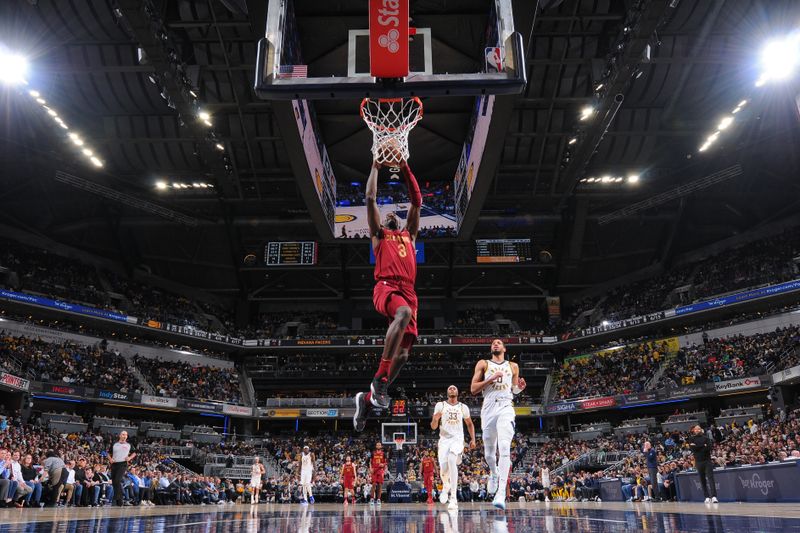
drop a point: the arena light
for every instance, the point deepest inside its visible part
(87, 152)
(220, 147)
(606, 179)
(573, 140)
(780, 59)
(724, 123)
(161, 185)
(587, 112)
(633, 178)
(13, 68)
(204, 115)
(96, 162)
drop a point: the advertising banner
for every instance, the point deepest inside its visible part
(764, 483)
(597, 403)
(241, 410)
(564, 407)
(737, 384)
(66, 390)
(14, 382)
(642, 397)
(159, 401)
(112, 395)
(686, 392)
(322, 413)
(283, 413)
(789, 286)
(200, 406)
(64, 306)
(786, 375)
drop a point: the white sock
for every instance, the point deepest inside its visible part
(452, 471)
(504, 466)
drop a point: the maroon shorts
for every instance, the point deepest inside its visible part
(349, 483)
(388, 296)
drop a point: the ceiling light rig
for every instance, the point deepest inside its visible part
(608, 179)
(163, 185)
(79, 142)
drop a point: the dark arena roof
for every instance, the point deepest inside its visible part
(610, 187)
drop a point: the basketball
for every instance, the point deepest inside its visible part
(390, 153)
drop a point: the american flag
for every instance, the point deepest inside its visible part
(293, 71)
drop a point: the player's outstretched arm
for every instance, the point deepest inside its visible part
(517, 383)
(414, 194)
(373, 213)
(437, 415)
(478, 384)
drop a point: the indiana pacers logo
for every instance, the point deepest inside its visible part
(341, 219)
(390, 41)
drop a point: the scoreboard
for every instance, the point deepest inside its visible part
(503, 250)
(290, 253)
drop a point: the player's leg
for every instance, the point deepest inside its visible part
(444, 470)
(310, 490)
(452, 473)
(505, 433)
(395, 348)
(489, 433)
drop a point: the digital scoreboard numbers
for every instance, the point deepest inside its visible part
(399, 408)
(503, 250)
(290, 253)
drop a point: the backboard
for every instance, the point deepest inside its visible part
(313, 51)
(389, 430)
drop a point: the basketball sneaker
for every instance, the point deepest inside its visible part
(491, 486)
(499, 500)
(453, 504)
(443, 496)
(310, 499)
(380, 393)
(360, 416)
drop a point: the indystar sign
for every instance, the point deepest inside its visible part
(737, 384)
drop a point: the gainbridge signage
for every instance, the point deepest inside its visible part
(283, 413)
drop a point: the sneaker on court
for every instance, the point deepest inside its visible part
(360, 416)
(310, 499)
(499, 500)
(303, 502)
(372, 502)
(708, 500)
(714, 500)
(443, 496)
(453, 504)
(380, 393)
(491, 486)
(378, 503)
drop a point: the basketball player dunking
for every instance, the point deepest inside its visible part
(449, 417)
(499, 381)
(394, 295)
(427, 473)
(349, 479)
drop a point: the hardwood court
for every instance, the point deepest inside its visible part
(553, 517)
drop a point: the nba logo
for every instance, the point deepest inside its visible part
(495, 59)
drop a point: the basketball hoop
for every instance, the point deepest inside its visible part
(398, 443)
(390, 120)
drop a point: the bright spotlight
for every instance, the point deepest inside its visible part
(586, 112)
(96, 162)
(41, 101)
(633, 178)
(52, 113)
(573, 140)
(724, 123)
(78, 141)
(35, 94)
(606, 179)
(705, 147)
(87, 152)
(161, 185)
(220, 147)
(780, 58)
(204, 115)
(13, 68)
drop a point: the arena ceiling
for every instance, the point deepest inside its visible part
(683, 66)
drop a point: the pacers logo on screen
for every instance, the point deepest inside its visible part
(341, 219)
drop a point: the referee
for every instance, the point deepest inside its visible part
(121, 453)
(701, 449)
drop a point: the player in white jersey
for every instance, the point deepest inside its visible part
(499, 381)
(449, 417)
(255, 479)
(307, 460)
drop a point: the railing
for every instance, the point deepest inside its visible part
(583, 460)
(620, 460)
(309, 402)
(181, 452)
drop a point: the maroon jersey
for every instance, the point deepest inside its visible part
(395, 257)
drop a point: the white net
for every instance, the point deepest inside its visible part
(391, 120)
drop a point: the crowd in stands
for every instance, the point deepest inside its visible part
(624, 370)
(435, 195)
(765, 261)
(68, 362)
(734, 357)
(181, 380)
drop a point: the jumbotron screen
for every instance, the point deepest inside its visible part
(290, 253)
(503, 250)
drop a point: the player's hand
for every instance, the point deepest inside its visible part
(521, 384)
(472, 444)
